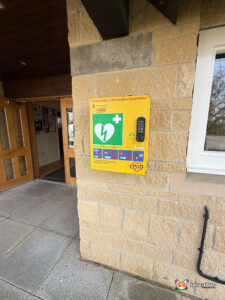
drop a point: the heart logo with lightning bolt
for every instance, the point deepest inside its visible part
(104, 132)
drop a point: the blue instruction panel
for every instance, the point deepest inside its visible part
(97, 153)
(125, 155)
(138, 156)
(110, 154)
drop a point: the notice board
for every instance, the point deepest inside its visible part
(114, 124)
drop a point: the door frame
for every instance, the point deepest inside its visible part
(33, 134)
(33, 142)
(68, 152)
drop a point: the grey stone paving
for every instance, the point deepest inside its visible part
(36, 212)
(64, 221)
(10, 203)
(124, 287)
(11, 234)
(2, 219)
(10, 292)
(31, 262)
(74, 279)
(39, 251)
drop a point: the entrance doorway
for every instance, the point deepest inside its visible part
(48, 134)
(36, 141)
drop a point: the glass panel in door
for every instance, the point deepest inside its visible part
(18, 128)
(4, 137)
(70, 127)
(8, 168)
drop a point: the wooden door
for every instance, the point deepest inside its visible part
(68, 139)
(15, 152)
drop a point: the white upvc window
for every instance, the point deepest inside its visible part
(206, 147)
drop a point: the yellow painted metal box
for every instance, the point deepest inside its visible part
(114, 125)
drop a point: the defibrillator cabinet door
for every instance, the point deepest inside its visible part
(119, 134)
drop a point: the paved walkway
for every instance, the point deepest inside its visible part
(39, 251)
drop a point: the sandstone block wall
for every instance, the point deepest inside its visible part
(150, 225)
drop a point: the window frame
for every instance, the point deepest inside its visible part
(211, 42)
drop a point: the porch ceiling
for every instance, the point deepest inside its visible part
(34, 34)
(33, 39)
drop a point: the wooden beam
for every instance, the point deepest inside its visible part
(168, 8)
(39, 87)
(38, 99)
(111, 17)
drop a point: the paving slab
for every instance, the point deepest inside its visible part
(35, 188)
(12, 233)
(36, 212)
(10, 292)
(64, 220)
(12, 202)
(22, 195)
(124, 287)
(23, 188)
(31, 262)
(2, 219)
(73, 279)
(63, 192)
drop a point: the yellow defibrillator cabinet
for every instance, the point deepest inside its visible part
(119, 133)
